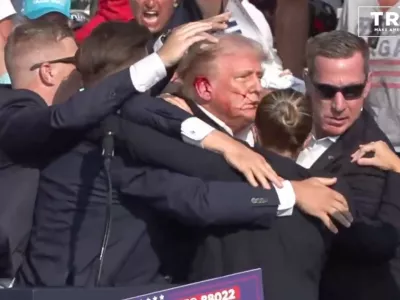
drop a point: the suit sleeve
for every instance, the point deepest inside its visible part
(34, 127)
(156, 149)
(196, 202)
(155, 113)
(25, 124)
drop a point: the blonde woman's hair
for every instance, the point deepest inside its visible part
(284, 120)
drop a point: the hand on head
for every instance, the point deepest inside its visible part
(184, 36)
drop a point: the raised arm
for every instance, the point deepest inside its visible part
(27, 124)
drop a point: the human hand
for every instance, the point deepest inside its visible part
(315, 198)
(184, 36)
(179, 102)
(251, 164)
(383, 157)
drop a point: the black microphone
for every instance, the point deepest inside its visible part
(108, 154)
(108, 145)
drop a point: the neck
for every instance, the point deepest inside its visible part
(239, 129)
(45, 94)
(318, 134)
(233, 125)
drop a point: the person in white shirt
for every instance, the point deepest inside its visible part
(7, 11)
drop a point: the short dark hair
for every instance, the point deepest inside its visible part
(30, 38)
(336, 44)
(284, 120)
(111, 47)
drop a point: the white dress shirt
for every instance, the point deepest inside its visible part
(314, 150)
(193, 132)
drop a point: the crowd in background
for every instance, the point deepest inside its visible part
(164, 142)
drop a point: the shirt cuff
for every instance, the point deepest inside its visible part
(147, 72)
(287, 199)
(194, 130)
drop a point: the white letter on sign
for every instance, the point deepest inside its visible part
(376, 15)
(392, 18)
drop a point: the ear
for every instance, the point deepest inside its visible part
(307, 79)
(203, 88)
(46, 73)
(367, 86)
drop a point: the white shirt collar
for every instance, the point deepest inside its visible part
(328, 140)
(332, 139)
(245, 135)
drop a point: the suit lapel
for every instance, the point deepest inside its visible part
(329, 157)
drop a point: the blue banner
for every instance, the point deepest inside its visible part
(245, 286)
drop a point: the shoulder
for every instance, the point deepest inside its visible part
(19, 98)
(372, 131)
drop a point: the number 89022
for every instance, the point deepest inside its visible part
(222, 295)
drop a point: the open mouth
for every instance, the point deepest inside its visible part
(150, 18)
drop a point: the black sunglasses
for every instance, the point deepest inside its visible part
(349, 92)
(65, 60)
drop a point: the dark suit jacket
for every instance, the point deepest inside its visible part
(358, 264)
(291, 252)
(71, 202)
(30, 134)
(29, 129)
(389, 212)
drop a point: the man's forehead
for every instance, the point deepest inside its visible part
(347, 69)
